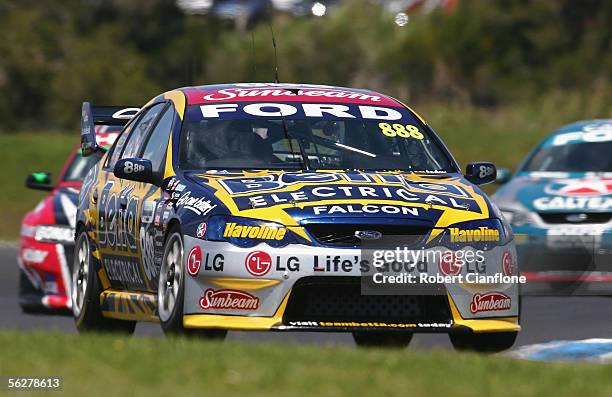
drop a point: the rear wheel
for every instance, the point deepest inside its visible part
(382, 339)
(86, 289)
(171, 290)
(490, 342)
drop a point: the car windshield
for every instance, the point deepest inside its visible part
(577, 157)
(389, 139)
(79, 166)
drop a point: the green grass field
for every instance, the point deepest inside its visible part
(503, 136)
(99, 365)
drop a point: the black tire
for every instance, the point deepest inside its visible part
(389, 339)
(490, 342)
(86, 299)
(172, 281)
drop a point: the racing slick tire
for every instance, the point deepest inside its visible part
(86, 289)
(382, 339)
(171, 290)
(489, 342)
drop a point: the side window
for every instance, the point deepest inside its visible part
(115, 150)
(139, 132)
(155, 148)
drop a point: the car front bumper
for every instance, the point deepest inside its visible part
(301, 287)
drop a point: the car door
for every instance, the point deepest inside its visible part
(120, 203)
(155, 202)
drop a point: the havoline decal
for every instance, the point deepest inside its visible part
(458, 235)
(263, 232)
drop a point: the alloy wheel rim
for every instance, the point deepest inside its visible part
(80, 276)
(170, 278)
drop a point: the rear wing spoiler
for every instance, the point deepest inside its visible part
(91, 116)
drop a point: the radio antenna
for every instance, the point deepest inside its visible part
(253, 55)
(275, 54)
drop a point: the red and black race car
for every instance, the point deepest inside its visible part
(47, 232)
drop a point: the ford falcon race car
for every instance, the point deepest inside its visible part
(559, 205)
(256, 207)
(47, 232)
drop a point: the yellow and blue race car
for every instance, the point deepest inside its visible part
(260, 207)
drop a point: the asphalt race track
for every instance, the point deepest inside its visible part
(544, 319)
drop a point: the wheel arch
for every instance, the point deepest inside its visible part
(172, 224)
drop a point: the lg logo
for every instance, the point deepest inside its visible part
(258, 263)
(194, 261)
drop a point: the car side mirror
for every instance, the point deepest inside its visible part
(39, 181)
(480, 172)
(503, 175)
(134, 169)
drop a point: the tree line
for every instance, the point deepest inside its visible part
(55, 54)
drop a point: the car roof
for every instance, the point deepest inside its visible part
(579, 125)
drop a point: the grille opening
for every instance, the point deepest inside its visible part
(343, 235)
(587, 217)
(339, 299)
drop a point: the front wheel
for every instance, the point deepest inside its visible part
(491, 342)
(382, 339)
(85, 293)
(171, 290)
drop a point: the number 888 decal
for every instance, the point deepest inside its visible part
(400, 130)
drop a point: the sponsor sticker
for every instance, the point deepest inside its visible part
(33, 255)
(581, 187)
(508, 264)
(201, 231)
(302, 110)
(589, 133)
(258, 263)
(288, 93)
(474, 235)
(194, 261)
(572, 194)
(262, 232)
(490, 302)
(199, 205)
(449, 264)
(228, 299)
(124, 270)
(355, 324)
(365, 209)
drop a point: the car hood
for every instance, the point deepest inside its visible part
(295, 198)
(565, 193)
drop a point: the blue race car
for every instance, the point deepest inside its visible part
(559, 204)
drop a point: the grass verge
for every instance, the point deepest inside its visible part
(99, 365)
